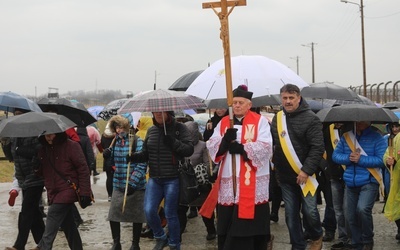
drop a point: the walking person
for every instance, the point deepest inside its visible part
(107, 141)
(298, 149)
(362, 152)
(23, 152)
(62, 162)
(242, 208)
(121, 125)
(200, 156)
(392, 159)
(167, 142)
(332, 134)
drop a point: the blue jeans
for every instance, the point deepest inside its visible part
(360, 201)
(339, 204)
(156, 190)
(294, 200)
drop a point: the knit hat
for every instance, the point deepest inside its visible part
(242, 91)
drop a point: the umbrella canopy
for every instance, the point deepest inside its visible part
(183, 82)
(317, 105)
(263, 76)
(391, 105)
(328, 91)
(357, 113)
(362, 100)
(73, 110)
(256, 102)
(10, 101)
(161, 100)
(111, 109)
(34, 124)
(95, 110)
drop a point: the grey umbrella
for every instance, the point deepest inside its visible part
(391, 105)
(357, 113)
(328, 91)
(183, 82)
(34, 124)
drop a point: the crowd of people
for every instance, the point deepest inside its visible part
(247, 162)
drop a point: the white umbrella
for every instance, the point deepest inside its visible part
(263, 76)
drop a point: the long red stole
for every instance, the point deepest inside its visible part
(247, 175)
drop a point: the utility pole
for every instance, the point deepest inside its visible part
(361, 6)
(297, 63)
(155, 80)
(311, 45)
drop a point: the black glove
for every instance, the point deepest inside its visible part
(130, 191)
(236, 148)
(230, 135)
(107, 152)
(128, 158)
(169, 140)
(35, 163)
(85, 201)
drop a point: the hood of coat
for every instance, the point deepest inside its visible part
(193, 127)
(121, 121)
(60, 138)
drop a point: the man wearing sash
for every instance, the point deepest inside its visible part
(298, 150)
(332, 134)
(362, 152)
(243, 209)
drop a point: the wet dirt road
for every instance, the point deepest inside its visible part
(95, 231)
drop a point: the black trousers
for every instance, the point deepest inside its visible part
(30, 218)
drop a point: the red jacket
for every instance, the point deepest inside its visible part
(67, 157)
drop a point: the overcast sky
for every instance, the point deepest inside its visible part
(129, 45)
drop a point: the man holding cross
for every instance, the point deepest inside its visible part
(243, 153)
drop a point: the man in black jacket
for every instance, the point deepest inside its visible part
(24, 155)
(299, 146)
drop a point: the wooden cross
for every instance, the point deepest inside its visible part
(224, 35)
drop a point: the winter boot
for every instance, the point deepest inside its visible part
(116, 234)
(136, 231)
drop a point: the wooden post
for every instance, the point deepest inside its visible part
(224, 36)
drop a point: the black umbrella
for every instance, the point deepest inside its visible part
(328, 91)
(183, 82)
(391, 105)
(73, 110)
(357, 113)
(34, 124)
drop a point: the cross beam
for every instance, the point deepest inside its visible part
(219, 4)
(224, 35)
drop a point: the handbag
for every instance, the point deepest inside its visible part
(201, 172)
(188, 186)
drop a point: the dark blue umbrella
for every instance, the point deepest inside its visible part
(9, 101)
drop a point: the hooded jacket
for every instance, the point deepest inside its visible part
(305, 131)
(24, 155)
(357, 174)
(200, 153)
(63, 159)
(163, 159)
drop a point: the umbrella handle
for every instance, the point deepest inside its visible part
(128, 170)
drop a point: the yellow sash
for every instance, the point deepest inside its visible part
(290, 154)
(349, 137)
(334, 135)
